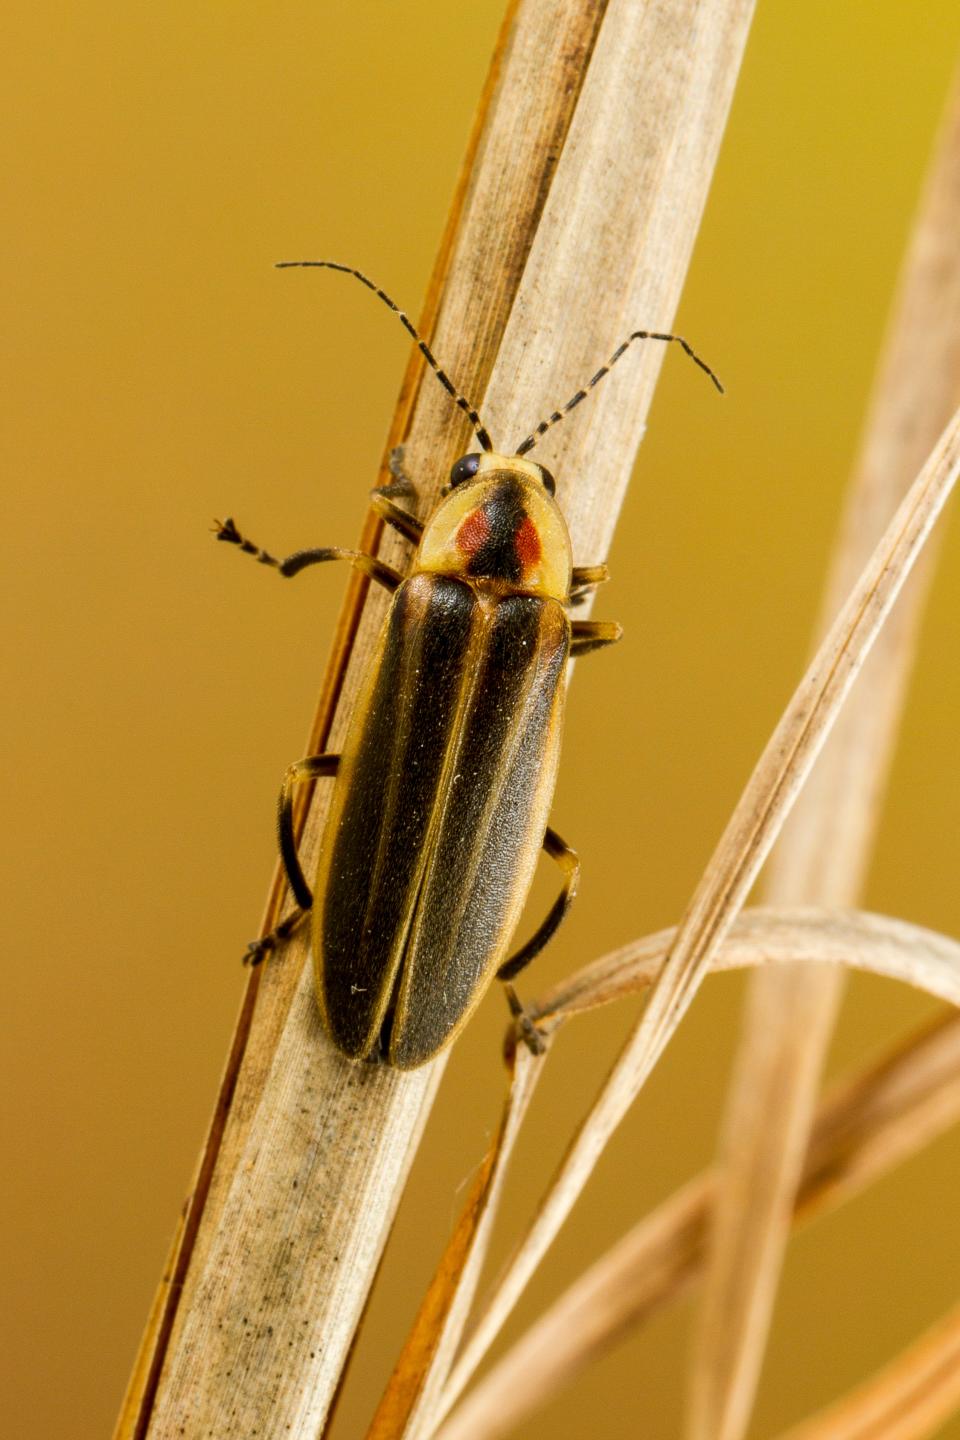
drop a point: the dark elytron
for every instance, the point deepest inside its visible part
(455, 743)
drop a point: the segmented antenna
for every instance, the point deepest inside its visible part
(458, 399)
(544, 425)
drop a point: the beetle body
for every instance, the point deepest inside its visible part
(448, 768)
(447, 773)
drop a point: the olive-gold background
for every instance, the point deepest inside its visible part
(157, 371)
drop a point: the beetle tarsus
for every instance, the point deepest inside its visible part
(523, 1025)
(593, 635)
(402, 484)
(258, 950)
(384, 499)
(227, 530)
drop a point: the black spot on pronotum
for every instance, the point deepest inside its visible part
(498, 558)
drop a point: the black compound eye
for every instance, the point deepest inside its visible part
(464, 469)
(549, 484)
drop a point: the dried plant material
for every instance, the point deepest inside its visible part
(891, 948)
(140, 1379)
(256, 1311)
(600, 128)
(870, 1123)
(650, 1265)
(866, 1127)
(437, 1330)
(761, 811)
(908, 1400)
(764, 936)
(822, 856)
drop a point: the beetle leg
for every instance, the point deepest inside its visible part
(258, 950)
(385, 498)
(311, 768)
(368, 565)
(402, 484)
(528, 1031)
(569, 862)
(589, 575)
(591, 634)
(408, 525)
(584, 579)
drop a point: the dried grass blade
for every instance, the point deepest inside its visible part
(631, 181)
(886, 947)
(287, 1094)
(425, 1359)
(824, 850)
(909, 1399)
(763, 936)
(140, 1375)
(873, 1120)
(867, 1126)
(766, 801)
(652, 1264)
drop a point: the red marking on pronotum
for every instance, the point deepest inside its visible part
(473, 533)
(527, 543)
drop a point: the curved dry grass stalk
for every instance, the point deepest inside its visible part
(823, 853)
(764, 936)
(874, 943)
(761, 811)
(909, 1399)
(864, 1128)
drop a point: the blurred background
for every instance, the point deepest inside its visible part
(158, 371)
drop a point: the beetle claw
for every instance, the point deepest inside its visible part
(258, 950)
(226, 530)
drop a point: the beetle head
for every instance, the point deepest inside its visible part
(500, 523)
